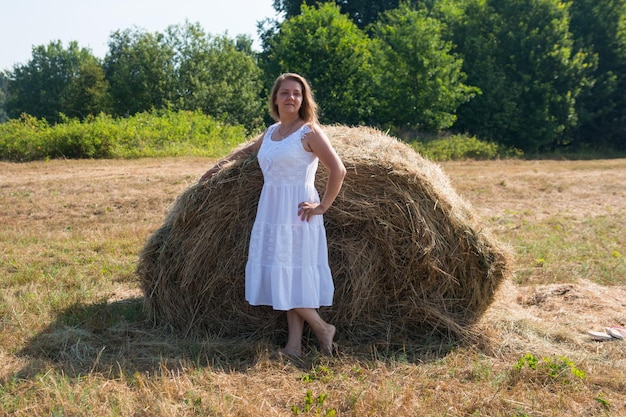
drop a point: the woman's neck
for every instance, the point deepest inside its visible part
(290, 121)
(287, 126)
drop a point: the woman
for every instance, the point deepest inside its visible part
(287, 264)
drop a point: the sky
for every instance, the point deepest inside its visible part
(28, 23)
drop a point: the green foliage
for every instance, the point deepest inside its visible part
(599, 27)
(362, 12)
(314, 404)
(540, 75)
(24, 139)
(549, 369)
(421, 82)
(320, 373)
(459, 147)
(527, 360)
(148, 134)
(87, 92)
(219, 76)
(601, 399)
(185, 69)
(140, 69)
(522, 57)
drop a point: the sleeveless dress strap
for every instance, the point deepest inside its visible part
(305, 130)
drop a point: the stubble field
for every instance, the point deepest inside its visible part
(74, 340)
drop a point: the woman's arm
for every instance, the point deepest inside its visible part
(238, 154)
(318, 143)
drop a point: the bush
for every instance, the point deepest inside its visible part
(148, 134)
(459, 147)
(23, 139)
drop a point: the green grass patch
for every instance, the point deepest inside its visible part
(565, 249)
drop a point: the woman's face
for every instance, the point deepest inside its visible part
(289, 98)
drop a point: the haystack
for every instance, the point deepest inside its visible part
(408, 255)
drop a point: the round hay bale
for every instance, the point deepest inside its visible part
(406, 252)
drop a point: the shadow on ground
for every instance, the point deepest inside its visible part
(116, 338)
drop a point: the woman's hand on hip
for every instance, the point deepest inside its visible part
(307, 210)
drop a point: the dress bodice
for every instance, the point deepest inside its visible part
(286, 162)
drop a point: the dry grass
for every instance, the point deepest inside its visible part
(74, 340)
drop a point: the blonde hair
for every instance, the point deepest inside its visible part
(308, 109)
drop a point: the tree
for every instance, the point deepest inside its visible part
(140, 71)
(218, 75)
(329, 50)
(87, 93)
(521, 55)
(46, 85)
(599, 27)
(185, 68)
(362, 12)
(421, 81)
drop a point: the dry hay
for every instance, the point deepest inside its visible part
(406, 252)
(553, 320)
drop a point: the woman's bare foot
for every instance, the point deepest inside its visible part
(325, 339)
(290, 352)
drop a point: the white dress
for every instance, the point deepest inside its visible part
(287, 263)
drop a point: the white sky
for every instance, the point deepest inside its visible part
(28, 23)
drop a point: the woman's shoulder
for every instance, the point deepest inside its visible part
(315, 137)
(314, 130)
(313, 127)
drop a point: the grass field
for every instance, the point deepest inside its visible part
(74, 340)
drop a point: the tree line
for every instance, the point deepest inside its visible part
(535, 75)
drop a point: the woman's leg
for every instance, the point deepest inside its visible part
(325, 332)
(295, 324)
